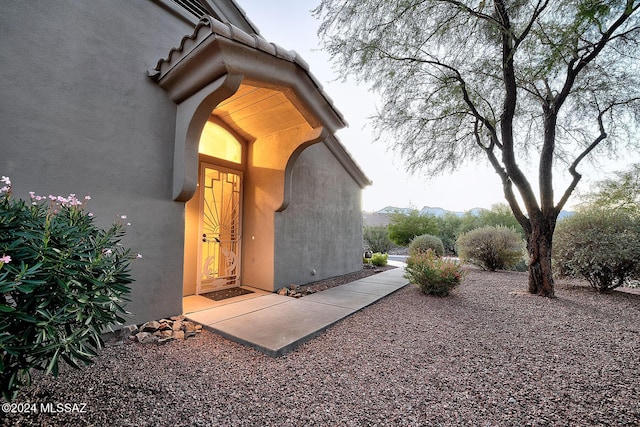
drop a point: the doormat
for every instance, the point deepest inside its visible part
(226, 293)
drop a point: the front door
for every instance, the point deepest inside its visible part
(220, 228)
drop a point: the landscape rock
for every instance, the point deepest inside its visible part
(151, 326)
(128, 330)
(189, 326)
(146, 337)
(161, 331)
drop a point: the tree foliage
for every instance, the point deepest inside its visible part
(448, 228)
(621, 193)
(543, 83)
(403, 228)
(376, 237)
(499, 215)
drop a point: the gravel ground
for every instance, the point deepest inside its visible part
(487, 355)
(322, 285)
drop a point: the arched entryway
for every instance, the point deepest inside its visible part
(266, 97)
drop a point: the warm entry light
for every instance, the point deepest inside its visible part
(216, 141)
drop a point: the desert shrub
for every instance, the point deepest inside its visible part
(434, 275)
(600, 246)
(491, 247)
(377, 238)
(424, 243)
(63, 282)
(379, 259)
(619, 193)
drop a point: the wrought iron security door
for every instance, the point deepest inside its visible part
(220, 228)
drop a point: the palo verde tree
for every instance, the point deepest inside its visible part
(549, 83)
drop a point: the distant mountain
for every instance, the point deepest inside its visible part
(426, 210)
(440, 212)
(381, 217)
(392, 209)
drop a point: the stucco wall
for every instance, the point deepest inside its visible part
(321, 229)
(79, 115)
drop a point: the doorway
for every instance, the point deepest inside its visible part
(220, 228)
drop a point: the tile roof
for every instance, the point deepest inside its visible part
(209, 25)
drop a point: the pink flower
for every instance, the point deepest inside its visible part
(138, 256)
(6, 180)
(5, 259)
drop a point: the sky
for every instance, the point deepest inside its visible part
(289, 23)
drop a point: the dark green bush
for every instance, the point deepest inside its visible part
(379, 259)
(424, 243)
(601, 246)
(491, 247)
(434, 275)
(377, 238)
(448, 228)
(404, 227)
(63, 282)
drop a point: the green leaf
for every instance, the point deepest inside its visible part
(6, 309)
(52, 368)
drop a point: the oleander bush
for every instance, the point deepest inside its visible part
(601, 246)
(434, 275)
(425, 243)
(492, 247)
(63, 280)
(379, 260)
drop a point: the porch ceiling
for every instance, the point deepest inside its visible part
(253, 112)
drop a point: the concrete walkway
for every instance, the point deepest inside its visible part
(276, 324)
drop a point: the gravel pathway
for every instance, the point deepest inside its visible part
(488, 355)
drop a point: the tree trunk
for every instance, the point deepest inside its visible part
(539, 246)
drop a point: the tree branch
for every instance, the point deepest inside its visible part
(504, 177)
(534, 17)
(575, 67)
(601, 137)
(573, 168)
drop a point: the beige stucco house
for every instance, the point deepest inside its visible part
(218, 145)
